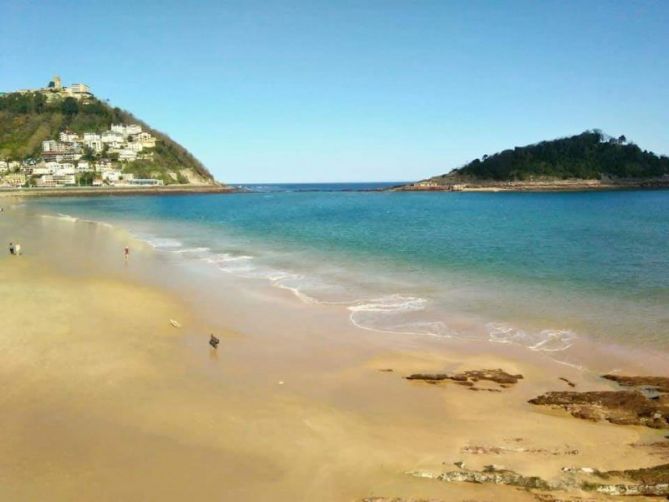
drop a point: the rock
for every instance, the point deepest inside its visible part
(386, 370)
(658, 474)
(459, 464)
(468, 378)
(500, 450)
(583, 470)
(652, 481)
(657, 384)
(395, 499)
(567, 381)
(618, 407)
(491, 475)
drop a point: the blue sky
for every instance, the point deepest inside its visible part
(341, 90)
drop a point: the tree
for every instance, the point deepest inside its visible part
(86, 178)
(622, 139)
(70, 106)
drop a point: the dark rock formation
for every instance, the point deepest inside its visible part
(490, 474)
(568, 382)
(652, 481)
(469, 378)
(618, 407)
(656, 384)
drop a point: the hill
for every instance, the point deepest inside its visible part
(29, 118)
(591, 155)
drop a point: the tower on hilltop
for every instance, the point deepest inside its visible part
(56, 83)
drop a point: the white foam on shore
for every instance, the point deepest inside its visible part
(388, 314)
(547, 340)
(163, 242)
(199, 250)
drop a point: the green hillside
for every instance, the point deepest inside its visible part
(27, 119)
(589, 155)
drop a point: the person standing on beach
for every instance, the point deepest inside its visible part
(126, 253)
(17, 249)
(11, 248)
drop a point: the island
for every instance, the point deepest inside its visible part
(591, 160)
(63, 140)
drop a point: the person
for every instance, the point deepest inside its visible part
(213, 341)
(126, 252)
(11, 248)
(17, 249)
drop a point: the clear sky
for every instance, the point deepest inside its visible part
(354, 90)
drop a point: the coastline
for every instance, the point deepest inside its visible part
(116, 402)
(101, 191)
(535, 186)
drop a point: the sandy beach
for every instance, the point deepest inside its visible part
(105, 399)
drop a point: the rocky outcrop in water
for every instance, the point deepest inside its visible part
(618, 407)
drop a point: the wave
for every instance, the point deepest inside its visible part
(162, 242)
(199, 250)
(392, 314)
(547, 340)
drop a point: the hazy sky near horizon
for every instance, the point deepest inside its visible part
(354, 90)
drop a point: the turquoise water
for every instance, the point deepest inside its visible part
(541, 269)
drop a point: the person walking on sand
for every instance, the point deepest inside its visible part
(126, 253)
(11, 248)
(17, 249)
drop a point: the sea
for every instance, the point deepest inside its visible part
(550, 272)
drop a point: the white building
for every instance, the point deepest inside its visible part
(102, 165)
(91, 136)
(50, 145)
(52, 167)
(78, 89)
(69, 137)
(38, 171)
(133, 129)
(65, 169)
(96, 145)
(145, 182)
(111, 136)
(134, 146)
(4, 167)
(145, 139)
(126, 155)
(111, 176)
(83, 166)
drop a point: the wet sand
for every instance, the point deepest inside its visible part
(106, 400)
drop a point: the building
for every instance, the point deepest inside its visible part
(69, 137)
(127, 155)
(111, 176)
(15, 179)
(79, 89)
(111, 136)
(145, 182)
(83, 166)
(55, 84)
(91, 136)
(146, 140)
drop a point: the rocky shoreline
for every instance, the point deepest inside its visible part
(102, 191)
(641, 401)
(533, 186)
